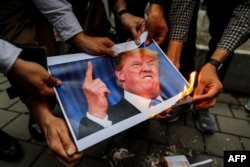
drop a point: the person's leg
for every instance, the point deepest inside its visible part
(218, 21)
(247, 106)
(10, 148)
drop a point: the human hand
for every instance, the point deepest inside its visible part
(93, 45)
(56, 132)
(156, 24)
(208, 89)
(134, 25)
(61, 146)
(33, 77)
(95, 91)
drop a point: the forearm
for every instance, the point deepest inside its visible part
(173, 52)
(41, 109)
(220, 55)
(60, 15)
(155, 10)
(8, 55)
(175, 46)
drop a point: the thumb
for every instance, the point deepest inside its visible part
(67, 143)
(197, 96)
(135, 36)
(54, 81)
(199, 89)
(149, 37)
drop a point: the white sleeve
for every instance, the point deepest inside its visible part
(8, 55)
(60, 15)
(103, 122)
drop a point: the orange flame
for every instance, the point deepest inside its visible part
(188, 91)
(182, 95)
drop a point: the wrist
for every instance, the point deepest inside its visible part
(155, 10)
(79, 41)
(121, 12)
(215, 63)
(76, 38)
(99, 113)
(18, 64)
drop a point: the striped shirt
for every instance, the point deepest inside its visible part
(238, 29)
(181, 13)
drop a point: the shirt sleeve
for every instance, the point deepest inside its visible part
(8, 55)
(181, 13)
(60, 15)
(103, 122)
(238, 29)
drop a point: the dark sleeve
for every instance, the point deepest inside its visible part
(122, 111)
(88, 127)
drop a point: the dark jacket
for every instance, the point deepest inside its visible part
(116, 113)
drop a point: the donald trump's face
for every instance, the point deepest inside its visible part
(139, 73)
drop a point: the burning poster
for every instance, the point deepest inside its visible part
(102, 96)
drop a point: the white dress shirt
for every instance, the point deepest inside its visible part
(8, 55)
(139, 102)
(142, 104)
(60, 15)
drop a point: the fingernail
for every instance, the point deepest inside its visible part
(58, 82)
(71, 151)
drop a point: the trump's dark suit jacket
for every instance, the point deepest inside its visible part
(118, 112)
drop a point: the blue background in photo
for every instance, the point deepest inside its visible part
(72, 74)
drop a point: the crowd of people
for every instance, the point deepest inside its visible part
(172, 24)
